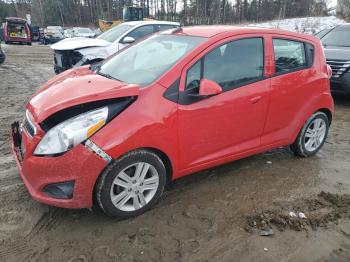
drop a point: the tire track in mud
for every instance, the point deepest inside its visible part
(47, 222)
(22, 249)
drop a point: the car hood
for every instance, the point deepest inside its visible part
(337, 53)
(74, 87)
(79, 42)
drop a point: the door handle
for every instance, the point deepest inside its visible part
(255, 100)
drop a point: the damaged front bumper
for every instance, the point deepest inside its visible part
(64, 181)
(64, 60)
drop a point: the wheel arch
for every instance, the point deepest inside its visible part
(163, 156)
(165, 159)
(328, 114)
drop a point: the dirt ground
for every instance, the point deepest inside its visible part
(216, 215)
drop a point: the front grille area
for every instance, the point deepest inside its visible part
(339, 67)
(28, 126)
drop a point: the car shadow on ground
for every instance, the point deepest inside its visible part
(341, 99)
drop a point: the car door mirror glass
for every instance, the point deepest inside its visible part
(128, 40)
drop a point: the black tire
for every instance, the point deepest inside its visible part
(298, 147)
(105, 183)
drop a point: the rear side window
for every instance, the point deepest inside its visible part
(289, 55)
(164, 27)
(142, 31)
(310, 54)
(231, 65)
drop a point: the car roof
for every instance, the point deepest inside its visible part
(211, 31)
(153, 22)
(344, 26)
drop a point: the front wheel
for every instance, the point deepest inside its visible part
(131, 185)
(312, 136)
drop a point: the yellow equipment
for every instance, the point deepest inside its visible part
(130, 13)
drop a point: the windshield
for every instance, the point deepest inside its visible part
(146, 61)
(54, 29)
(114, 33)
(84, 30)
(337, 37)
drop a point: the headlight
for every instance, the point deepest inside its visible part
(71, 132)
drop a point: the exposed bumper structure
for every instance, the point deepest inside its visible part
(63, 181)
(64, 60)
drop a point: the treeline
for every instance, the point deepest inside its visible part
(343, 9)
(86, 12)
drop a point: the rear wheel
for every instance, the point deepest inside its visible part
(312, 136)
(131, 185)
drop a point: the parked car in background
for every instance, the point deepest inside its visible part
(16, 30)
(68, 33)
(79, 51)
(2, 55)
(173, 104)
(83, 32)
(35, 33)
(53, 34)
(336, 43)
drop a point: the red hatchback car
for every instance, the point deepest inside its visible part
(176, 103)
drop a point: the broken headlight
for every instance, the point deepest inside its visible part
(72, 132)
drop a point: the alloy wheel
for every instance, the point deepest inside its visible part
(134, 187)
(315, 134)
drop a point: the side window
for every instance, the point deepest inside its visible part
(231, 65)
(142, 31)
(193, 77)
(289, 55)
(164, 27)
(310, 51)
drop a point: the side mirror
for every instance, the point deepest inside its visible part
(209, 88)
(128, 40)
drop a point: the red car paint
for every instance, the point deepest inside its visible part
(8, 38)
(245, 121)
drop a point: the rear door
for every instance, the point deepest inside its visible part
(211, 128)
(292, 85)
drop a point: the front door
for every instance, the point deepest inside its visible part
(211, 128)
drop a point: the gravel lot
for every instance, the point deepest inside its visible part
(216, 215)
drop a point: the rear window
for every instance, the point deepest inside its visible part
(290, 55)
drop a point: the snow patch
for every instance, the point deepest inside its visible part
(307, 25)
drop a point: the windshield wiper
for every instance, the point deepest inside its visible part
(107, 75)
(95, 67)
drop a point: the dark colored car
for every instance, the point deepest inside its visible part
(35, 33)
(2, 56)
(52, 35)
(336, 44)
